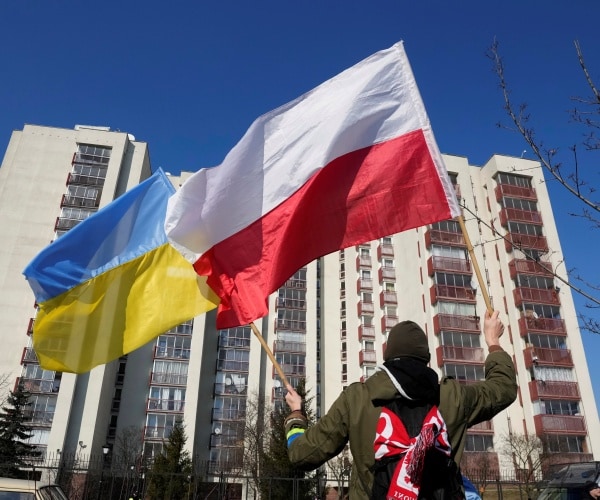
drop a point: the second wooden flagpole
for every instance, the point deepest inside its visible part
(267, 349)
(482, 284)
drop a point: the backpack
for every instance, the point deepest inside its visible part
(441, 478)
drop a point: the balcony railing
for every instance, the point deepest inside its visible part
(39, 417)
(294, 283)
(511, 191)
(36, 385)
(542, 325)
(366, 332)
(79, 201)
(173, 405)
(526, 242)
(388, 322)
(29, 356)
(449, 353)
(364, 284)
(30, 326)
(289, 346)
(487, 426)
(388, 273)
(551, 357)
(559, 424)
(168, 378)
(362, 262)
(444, 238)
(367, 357)
(365, 307)
(385, 250)
(228, 414)
(291, 370)
(526, 266)
(159, 433)
(536, 295)
(540, 389)
(290, 324)
(171, 352)
(388, 298)
(85, 180)
(448, 264)
(65, 224)
(290, 303)
(517, 215)
(454, 293)
(455, 322)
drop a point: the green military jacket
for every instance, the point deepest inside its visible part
(353, 418)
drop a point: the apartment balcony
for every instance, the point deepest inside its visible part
(363, 262)
(462, 355)
(37, 385)
(85, 180)
(232, 414)
(29, 356)
(166, 405)
(469, 324)
(387, 322)
(294, 283)
(364, 284)
(62, 224)
(511, 191)
(539, 389)
(536, 295)
(367, 357)
(161, 352)
(289, 346)
(517, 215)
(168, 378)
(448, 264)
(526, 242)
(385, 250)
(526, 266)
(157, 433)
(452, 293)
(38, 417)
(79, 201)
(547, 357)
(559, 424)
(290, 303)
(468, 381)
(444, 238)
(542, 325)
(290, 370)
(485, 427)
(290, 324)
(388, 298)
(90, 159)
(387, 273)
(365, 307)
(366, 332)
(30, 326)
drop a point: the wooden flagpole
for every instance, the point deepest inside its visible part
(482, 284)
(267, 349)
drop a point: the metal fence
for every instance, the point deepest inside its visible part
(99, 478)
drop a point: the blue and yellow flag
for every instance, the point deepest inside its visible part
(113, 283)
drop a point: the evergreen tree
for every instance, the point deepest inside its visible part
(171, 468)
(278, 474)
(14, 448)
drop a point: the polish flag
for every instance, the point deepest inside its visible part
(350, 161)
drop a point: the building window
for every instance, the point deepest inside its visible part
(564, 444)
(524, 228)
(479, 442)
(513, 180)
(459, 339)
(520, 204)
(448, 226)
(460, 280)
(464, 372)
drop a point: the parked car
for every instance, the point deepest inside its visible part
(25, 489)
(571, 481)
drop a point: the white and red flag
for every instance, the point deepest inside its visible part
(350, 161)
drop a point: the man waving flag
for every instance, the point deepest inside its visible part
(352, 160)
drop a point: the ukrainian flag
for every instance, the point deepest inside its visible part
(113, 283)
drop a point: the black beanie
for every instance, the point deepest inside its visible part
(407, 339)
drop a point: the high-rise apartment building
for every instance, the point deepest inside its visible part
(327, 324)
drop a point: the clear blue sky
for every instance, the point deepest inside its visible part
(189, 77)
